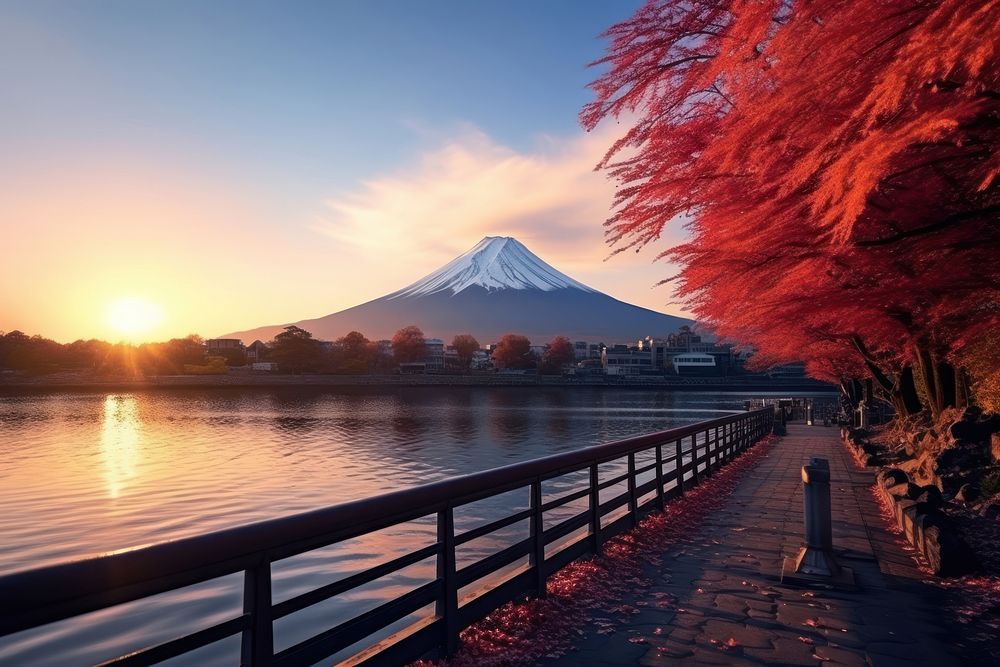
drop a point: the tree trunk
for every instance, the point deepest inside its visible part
(928, 375)
(944, 377)
(900, 390)
(907, 391)
(963, 389)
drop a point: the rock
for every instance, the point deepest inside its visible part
(922, 469)
(905, 491)
(954, 459)
(891, 476)
(971, 427)
(930, 496)
(990, 511)
(967, 493)
(900, 509)
(946, 553)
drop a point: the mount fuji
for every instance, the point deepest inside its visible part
(497, 287)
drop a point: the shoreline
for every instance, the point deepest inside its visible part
(247, 381)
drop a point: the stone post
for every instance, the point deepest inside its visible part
(816, 557)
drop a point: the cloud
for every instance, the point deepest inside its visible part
(470, 186)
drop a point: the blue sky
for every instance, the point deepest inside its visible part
(164, 125)
(309, 92)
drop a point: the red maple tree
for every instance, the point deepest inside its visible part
(836, 165)
(513, 352)
(465, 346)
(558, 353)
(409, 345)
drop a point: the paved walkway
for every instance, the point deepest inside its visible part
(730, 607)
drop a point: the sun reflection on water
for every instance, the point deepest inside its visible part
(119, 441)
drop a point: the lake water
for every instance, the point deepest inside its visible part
(89, 473)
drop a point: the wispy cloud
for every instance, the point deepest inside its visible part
(472, 186)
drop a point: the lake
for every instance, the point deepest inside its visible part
(83, 473)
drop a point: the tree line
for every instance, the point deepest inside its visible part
(38, 355)
(294, 350)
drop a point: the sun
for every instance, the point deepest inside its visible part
(132, 316)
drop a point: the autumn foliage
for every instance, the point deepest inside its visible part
(409, 344)
(558, 353)
(513, 352)
(836, 164)
(465, 346)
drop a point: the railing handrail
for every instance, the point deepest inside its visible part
(56, 592)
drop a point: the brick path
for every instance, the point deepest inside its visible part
(726, 587)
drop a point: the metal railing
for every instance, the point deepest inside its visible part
(45, 595)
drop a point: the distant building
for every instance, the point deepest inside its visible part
(481, 360)
(793, 370)
(433, 362)
(268, 366)
(230, 349)
(256, 352)
(664, 352)
(625, 360)
(695, 363)
(219, 346)
(434, 359)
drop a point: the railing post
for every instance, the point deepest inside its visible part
(595, 509)
(537, 557)
(659, 476)
(679, 465)
(708, 455)
(447, 606)
(633, 505)
(258, 635)
(695, 477)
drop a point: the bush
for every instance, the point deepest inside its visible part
(990, 485)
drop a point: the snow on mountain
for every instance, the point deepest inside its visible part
(498, 287)
(495, 263)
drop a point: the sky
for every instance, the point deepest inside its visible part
(237, 164)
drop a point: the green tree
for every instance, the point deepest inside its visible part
(295, 351)
(354, 353)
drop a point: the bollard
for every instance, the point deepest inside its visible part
(778, 425)
(816, 557)
(809, 413)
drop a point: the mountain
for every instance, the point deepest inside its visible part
(497, 287)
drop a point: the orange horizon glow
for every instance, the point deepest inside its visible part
(132, 318)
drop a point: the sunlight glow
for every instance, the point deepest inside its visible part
(133, 316)
(119, 442)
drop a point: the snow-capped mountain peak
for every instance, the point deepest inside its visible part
(495, 263)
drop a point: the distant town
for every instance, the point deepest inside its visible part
(682, 353)
(294, 351)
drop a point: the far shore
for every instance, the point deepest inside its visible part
(72, 381)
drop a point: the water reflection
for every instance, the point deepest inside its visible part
(119, 442)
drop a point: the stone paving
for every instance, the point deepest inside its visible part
(727, 605)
